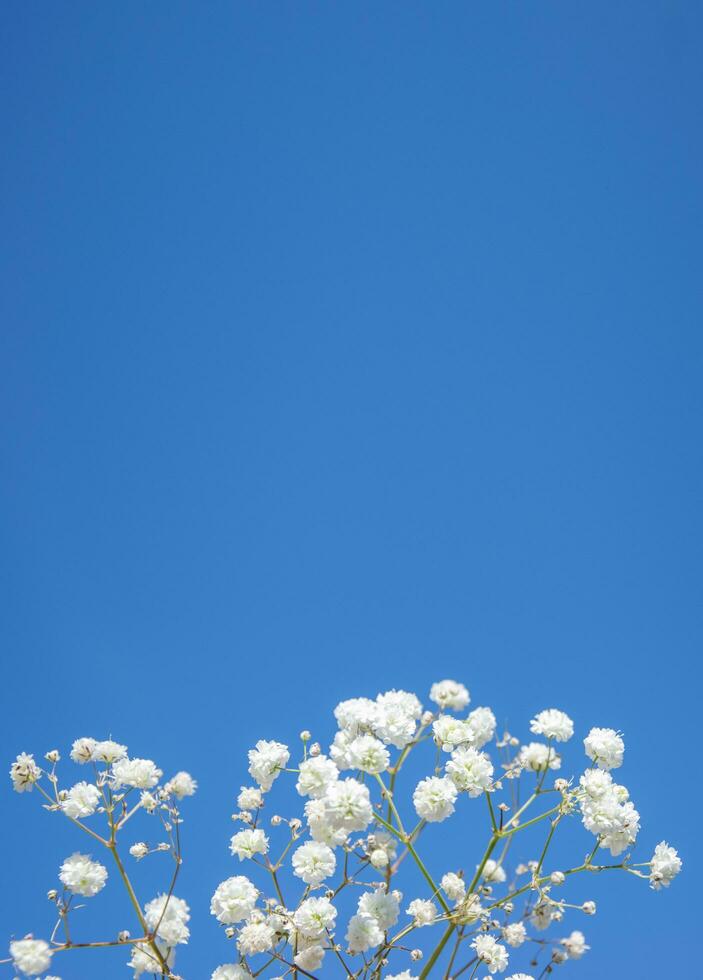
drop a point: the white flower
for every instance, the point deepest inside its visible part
(607, 812)
(605, 746)
(665, 865)
(250, 798)
(141, 773)
(520, 976)
(624, 834)
(168, 915)
(180, 785)
(469, 910)
(339, 750)
(148, 801)
(81, 801)
(449, 694)
(314, 917)
(108, 751)
(321, 828)
(139, 850)
(491, 953)
(30, 956)
(398, 713)
(234, 900)
(382, 906)
(230, 971)
(538, 757)
(434, 798)
(369, 754)
(542, 915)
(454, 887)
(24, 773)
(405, 975)
(492, 871)
(255, 937)
(356, 715)
(82, 750)
(313, 862)
(82, 876)
(575, 945)
(248, 842)
(514, 934)
(482, 725)
(363, 933)
(596, 783)
(266, 761)
(423, 911)
(348, 805)
(450, 732)
(552, 723)
(316, 775)
(470, 770)
(310, 958)
(145, 960)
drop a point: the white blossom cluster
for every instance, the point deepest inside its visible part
(338, 886)
(341, 856)
(102, 805)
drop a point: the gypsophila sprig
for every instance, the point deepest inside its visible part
(331, 878)
(105, 806)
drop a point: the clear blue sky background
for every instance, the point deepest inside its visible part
(347, 346)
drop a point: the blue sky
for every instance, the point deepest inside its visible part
(347, 347)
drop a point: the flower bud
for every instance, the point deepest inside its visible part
(378, 858)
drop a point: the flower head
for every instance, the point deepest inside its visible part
(665, 865)
(552, 723)
(24, 773)
(82, 876)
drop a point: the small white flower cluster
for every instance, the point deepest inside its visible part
(102, 807)
(354, 827)
(340, 857)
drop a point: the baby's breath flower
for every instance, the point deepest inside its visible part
(81, 801)
(107, 751)
(255, 937)
(605, 746)
(247, 843)
(665, 865)
(434, 798)
(449, 695)
(82, 876)
(423, 911)
(552, 723)
(24, 773)
(82, 750)
(266, 761)
(181, 785)
(30, 956)
(575, 945)
(140, 773)
(313, 862)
